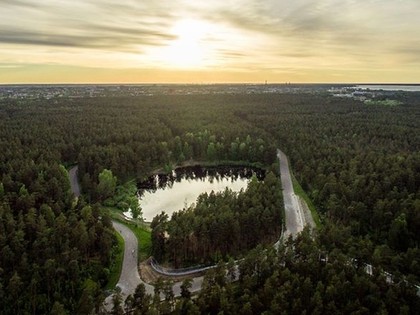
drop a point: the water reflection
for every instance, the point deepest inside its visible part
(178, 190)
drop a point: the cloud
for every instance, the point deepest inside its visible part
(245, 34)
(19, 3)
(109, 24)
(341, 26)
(105, 25)
(409, 53)
(10, 66)
(107, 38)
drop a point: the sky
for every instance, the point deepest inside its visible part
(209, 41)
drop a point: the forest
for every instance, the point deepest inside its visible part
(299, 278)
(359, 164)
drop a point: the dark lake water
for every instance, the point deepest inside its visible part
(180, 189)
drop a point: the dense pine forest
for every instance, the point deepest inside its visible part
(359, 164)
(296, 279)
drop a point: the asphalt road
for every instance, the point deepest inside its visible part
(129, 277)
(295, 219)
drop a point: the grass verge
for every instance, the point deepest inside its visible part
(301, 193)
(115, 269)
(144, 237)
(140, 230)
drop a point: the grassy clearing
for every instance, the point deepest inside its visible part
(115, 269)
(141, 230)
(301, 193)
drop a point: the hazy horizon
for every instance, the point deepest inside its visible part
(218, 83)
(200, 42)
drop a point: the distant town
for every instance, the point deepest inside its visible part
(79, 91)
(106, 90)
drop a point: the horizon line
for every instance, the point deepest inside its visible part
(206, 83)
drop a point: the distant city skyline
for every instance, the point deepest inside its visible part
(229, 41)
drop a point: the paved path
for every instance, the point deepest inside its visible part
(294, 216)
(129, 277)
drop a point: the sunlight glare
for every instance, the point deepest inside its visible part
(189, 49)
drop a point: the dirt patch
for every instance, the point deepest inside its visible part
(149, 275)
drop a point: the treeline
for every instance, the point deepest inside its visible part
(300, 278)
(220, 225)
(131, 136)
(201, 146)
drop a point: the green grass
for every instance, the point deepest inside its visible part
(140, 230)
(115, 269)
(144, 236)
(301, 193)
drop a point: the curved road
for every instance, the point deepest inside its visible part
(129, 277)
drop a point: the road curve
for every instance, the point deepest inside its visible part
(129, 277)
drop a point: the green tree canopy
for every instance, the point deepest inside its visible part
(107, 184)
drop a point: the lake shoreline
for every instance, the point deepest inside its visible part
(221, 163)
(178, 190)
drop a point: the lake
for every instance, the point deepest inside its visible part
(390, 87)
(181, 188)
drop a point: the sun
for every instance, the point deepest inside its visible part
(190, 48)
